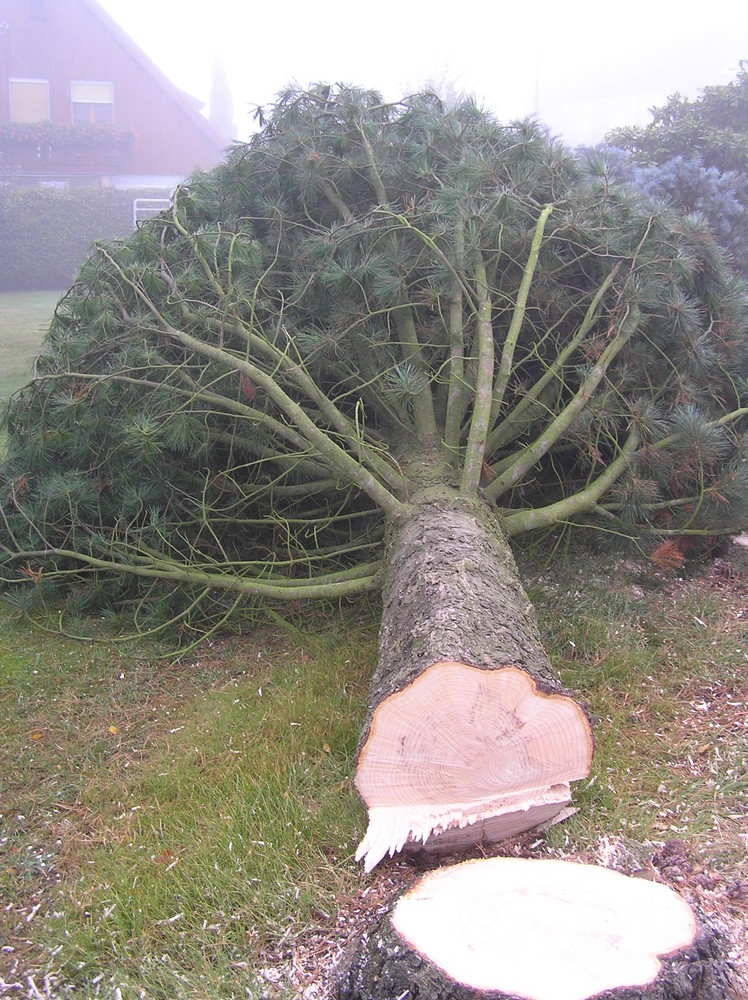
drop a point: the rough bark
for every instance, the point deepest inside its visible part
(452, 591)
(469, 736)
(736, 556)
(386, 965)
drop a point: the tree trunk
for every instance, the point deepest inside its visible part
(469, 736)
(504, 928)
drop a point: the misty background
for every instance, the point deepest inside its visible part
(582, 67)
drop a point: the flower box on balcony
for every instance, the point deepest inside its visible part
(45, 139)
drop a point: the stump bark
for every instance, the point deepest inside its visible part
(516, 929)
(736, 555)
(469, 735)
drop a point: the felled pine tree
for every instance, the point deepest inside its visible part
(369, 351)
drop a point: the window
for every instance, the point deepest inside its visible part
(92, 103)
(29, 100)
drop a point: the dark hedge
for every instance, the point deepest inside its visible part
(45, 235)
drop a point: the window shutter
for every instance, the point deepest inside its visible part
(90, 92)
(29, 100)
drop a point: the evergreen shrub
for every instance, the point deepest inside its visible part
(47, 234)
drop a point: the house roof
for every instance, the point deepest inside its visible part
(190, 105)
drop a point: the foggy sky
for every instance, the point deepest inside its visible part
(582, 67)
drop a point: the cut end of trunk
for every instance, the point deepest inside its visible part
(484, 924)
(463, 755)
(393, 829)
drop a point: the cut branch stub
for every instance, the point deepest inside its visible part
(538, 930)
(463, 755)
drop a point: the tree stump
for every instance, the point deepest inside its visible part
(470, 736)
(736, 555)
(517, 929)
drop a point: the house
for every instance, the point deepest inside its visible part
(81, 105)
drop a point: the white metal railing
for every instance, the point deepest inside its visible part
(146, 208)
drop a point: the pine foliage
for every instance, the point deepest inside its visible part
(233, 400)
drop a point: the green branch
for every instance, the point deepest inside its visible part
(518, 316)
(375, 178)
(479, 422)
(510, 427)
(531, 455)
(333, 196)
(457, 392)
(295, 371)
(412, 351)
(345, 583)
(263, 454)
(337, 458)
(423, 402)
(585, 500)
(723, 421)
(214, 282)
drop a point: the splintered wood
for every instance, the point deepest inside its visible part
(465, 754)
(543, 930)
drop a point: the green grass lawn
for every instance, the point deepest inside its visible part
(186, 829)
(24, 320)
(167, 825)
